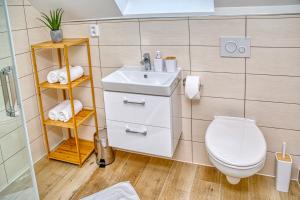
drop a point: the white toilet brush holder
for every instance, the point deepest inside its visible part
(283, 171)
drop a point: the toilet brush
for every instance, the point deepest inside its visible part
(283, 171)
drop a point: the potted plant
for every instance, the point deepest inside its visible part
(54, 22)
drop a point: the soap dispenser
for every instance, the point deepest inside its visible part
(158, 62)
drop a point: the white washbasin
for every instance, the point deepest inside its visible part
(134, 79)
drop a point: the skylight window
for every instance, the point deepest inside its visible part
(148, 7)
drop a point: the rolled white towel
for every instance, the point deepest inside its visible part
(66, 113)
(53, 113)
(53, 76)
(75, 72)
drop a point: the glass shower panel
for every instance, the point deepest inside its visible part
(17, 179)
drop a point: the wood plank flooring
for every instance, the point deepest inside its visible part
(153, 178)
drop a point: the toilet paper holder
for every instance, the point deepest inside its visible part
(184, 80)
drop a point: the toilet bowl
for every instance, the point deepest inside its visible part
(236, 147)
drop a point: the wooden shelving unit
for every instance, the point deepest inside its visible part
(73, 150)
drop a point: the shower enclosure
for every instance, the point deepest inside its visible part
(17, 179)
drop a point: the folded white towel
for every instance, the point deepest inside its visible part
(66, 113)
(53, 76)
(53, 113)
(75, 72)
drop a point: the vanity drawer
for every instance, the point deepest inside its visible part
(140, 138)
(137, 108)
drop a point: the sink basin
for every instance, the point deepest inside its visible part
(134, 79)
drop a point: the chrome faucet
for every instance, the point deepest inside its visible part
(146, 61)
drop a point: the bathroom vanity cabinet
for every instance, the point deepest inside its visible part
(144, 123)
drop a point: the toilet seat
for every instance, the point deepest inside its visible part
(235, 142)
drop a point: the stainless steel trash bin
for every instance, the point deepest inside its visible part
(104, 154)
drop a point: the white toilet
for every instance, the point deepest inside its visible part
(236, 147)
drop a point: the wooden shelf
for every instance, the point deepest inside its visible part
(65, 43)
(67, 151)
(75, 83)
(80, 118)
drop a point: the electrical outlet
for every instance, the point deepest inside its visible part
(94, 30)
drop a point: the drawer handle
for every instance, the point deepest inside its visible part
(128, 130)
(126, 101)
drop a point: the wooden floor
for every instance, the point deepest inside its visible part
(153, 178)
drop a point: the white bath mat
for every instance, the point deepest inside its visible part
(120, 191)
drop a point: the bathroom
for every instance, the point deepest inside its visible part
(263, 86)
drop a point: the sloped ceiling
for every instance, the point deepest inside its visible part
(97, 9)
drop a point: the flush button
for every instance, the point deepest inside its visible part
(235, 47)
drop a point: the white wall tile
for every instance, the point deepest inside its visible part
(274, 61)
(282, 32)
(17, 17)
(16, 165)
(12, 143)
(208, 32)
(117, 56)
(27, 87)
(30, 107)
(204, 58)
(34, 128)
(183, 151)
(273, 88)
(3, 181)
(276, 115)
(222, 84)
(20, 40)
(119, 33)
(186, 129)
(186, 107)
(24, 66)
(5, 45)
(208, 107)
(37, 149)
(164, 32)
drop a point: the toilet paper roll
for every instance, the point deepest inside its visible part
(192, 87)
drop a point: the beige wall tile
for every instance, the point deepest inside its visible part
(17, 17)
(186, 129)
(273, 88)
(222, 84)
(96, 77)
(278, 115)
(164, 32)
(274, 61)
(282, 32)
(27, 86)
(20, 40)
(107, 71)
(208, 32)
(30, 108)
(208, 59)
(200, 154)
(12, 143)
(208, 107)
(119, 33)
(14, 2)
(55, 136)
(37, 35)
(183, 151)
(269, 168)
(101, 119)
(78, 56)
(84, 94)
(186, 107)
(43, 59)
(199, 130)
(49, 98)
(79, 31)
(86, 132)
(5, 45)
(32, 17)
(117, 56)
(180, 52)
(34, 128)
(24, 66)
(37, 149)
(275, 138)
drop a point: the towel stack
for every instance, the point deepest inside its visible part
(60, 75)
(63, 111)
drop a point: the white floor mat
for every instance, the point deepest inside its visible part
(120, 191)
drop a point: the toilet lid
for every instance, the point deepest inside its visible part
(235, 141)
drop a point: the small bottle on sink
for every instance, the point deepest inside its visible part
(158, 62)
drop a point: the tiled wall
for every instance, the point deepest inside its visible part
(24, 33)
(264, 87)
